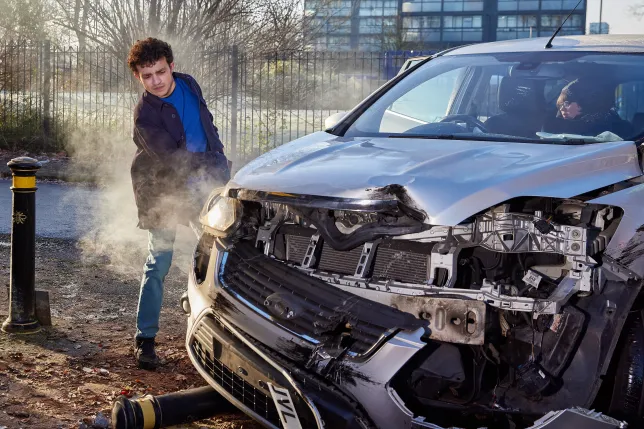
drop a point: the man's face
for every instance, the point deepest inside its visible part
(157, 78)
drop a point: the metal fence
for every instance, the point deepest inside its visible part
(258, 101)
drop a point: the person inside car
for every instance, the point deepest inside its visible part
(587, 109)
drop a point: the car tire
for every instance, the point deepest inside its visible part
(627, 399)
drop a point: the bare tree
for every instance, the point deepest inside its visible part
(23, 19)
(637, 10)
(282, 23)
(116, 24)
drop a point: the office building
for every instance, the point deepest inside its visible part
(381, 25)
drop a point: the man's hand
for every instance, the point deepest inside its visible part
(216, 165)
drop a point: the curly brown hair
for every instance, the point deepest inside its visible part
(147, 52)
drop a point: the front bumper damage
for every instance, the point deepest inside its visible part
(247, 354)
(232, 359)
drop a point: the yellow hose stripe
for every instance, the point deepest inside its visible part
(24, 182)
(149, 418)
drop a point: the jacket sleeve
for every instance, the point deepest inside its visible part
(160, 145)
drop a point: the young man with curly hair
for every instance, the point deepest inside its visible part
(178, 155)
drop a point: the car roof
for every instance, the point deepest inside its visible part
(595, 43)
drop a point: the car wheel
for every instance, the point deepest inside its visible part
(627, 399)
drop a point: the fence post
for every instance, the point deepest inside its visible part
(233, 105)
(46, 89)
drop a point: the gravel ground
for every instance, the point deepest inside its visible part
(65, 375)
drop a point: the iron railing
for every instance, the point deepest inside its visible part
(258, 101)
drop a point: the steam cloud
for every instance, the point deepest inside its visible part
(113, 236)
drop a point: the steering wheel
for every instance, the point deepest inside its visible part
(470, 121)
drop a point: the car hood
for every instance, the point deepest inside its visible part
(449, 180)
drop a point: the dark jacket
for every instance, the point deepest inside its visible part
(162, 165)
(591, 124)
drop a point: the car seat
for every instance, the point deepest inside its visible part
(523, 105)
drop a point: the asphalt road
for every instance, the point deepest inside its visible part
(72, 211)
(62, 210)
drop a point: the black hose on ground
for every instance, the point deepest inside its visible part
(152, 412)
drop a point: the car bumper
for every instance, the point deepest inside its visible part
(241, 352)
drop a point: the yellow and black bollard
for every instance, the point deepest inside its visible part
(22, 309)
(153, 412)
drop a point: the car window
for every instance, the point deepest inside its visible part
(488, 106)
(629, 99)
(428, 102)
(540, 96)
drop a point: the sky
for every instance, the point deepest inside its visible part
(617, 14)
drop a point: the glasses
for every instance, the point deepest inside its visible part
(565, 105)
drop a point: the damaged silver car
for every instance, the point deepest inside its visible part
(456, 251)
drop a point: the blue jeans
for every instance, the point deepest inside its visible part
(157, 265)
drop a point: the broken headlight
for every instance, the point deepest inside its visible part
(220, 215)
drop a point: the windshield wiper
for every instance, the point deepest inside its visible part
(472, 137)
(434, 137)
(571, 142)
(497, 138)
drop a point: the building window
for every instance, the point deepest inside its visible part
(462, 28)
(327, 8)
(332, 43)
(561, 4)
(331, 25)
(516, 27)
(518, 5)
(462, 5)
(378, 8)
(422, 28)
(422, 6)
(383, 26)
(370, 43)
(550, 23)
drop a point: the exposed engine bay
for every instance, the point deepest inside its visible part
(496, 294)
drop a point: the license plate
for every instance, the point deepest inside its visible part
(285, 407)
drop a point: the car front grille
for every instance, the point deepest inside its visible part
(244, 392)
(322, 311)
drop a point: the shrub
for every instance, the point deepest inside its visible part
(22, 127)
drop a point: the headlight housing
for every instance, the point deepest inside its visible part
(221, 215)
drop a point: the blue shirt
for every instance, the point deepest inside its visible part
(187, 104)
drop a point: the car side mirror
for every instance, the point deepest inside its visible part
(333, 120)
